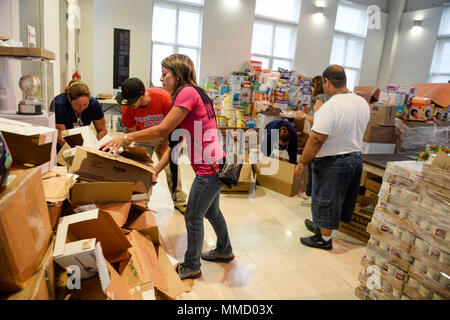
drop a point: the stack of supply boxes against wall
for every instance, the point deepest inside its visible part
(408, 251)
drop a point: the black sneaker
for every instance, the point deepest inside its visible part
(316, 241)
(214, 256)
(186, 273)
(312, 227)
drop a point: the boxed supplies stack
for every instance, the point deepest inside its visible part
(407, 254)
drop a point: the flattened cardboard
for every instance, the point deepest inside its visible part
(84, 230)
(100, 166)
(283, 180)
(42, 284)
(101, 192)
(57, 184)
(25, 230)
(140, 289)
(144, 256)
(175, 286)
(30, 144)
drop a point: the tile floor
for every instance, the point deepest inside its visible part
(270, 262)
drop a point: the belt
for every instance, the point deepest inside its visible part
(338, 156)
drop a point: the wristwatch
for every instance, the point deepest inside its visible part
(125, 138)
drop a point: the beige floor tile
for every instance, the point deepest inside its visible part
(270, 262)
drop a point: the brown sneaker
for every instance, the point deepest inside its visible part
(186, 273)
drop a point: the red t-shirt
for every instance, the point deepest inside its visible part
(151, 115)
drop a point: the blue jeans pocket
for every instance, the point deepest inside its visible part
(321, 209)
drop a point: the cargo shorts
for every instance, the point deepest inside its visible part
(335, 187)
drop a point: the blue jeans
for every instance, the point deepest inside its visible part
(203, 202)
(335, 188)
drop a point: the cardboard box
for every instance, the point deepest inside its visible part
(365, 92)
(29, 144)
(109, 285)
(100, 166)
(76, 239)
(25, 230)
(245, 180)
(371, 194)
(423, 107)
(380, 134)
(101, 192)
(279, 176)
(374, 184)
(354, 231)
(382, 114)
(42, 284)
(363, 212)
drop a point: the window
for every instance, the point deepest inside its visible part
(274, 33)
(440, 68)
(177, 28)
(348, 41)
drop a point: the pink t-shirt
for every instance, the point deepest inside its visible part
(202, 128)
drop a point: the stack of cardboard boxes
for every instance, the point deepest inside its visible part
(380, 136)
(408, 251)
(105, 242)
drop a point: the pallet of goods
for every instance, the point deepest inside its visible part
(408, 251)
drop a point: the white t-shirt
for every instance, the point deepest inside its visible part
(344, 119)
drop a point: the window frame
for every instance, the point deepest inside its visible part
(441, 38)
(349, 35)
(275, 23)
(178, 5)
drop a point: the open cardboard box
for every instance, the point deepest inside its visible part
(109, 285)
(76, 239)
(95, 165)
(142, 219)
(279, 176)
(30, 145)
(25, 230)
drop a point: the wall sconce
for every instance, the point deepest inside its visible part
(319, 16)
(417, 27)
(232, 3)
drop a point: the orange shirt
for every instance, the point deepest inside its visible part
(150, 115)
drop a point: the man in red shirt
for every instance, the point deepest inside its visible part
(144, 108)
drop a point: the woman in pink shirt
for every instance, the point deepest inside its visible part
(193, 115)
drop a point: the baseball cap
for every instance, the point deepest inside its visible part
(132, 90)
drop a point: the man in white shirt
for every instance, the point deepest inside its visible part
(334, 149)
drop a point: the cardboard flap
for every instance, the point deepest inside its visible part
(101, 192)
(81, 136)
(146, 224)
(138, 154)
(144, 256)
(175, 286)
(441, 161)
(57, 183)
(118, 211)
(118, 158)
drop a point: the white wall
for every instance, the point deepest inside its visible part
(373, 51)
(415, 51)
(51, 38)
(87, 47)
(227, 37)
(134, 15)
(5, 18)
(315, 39)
